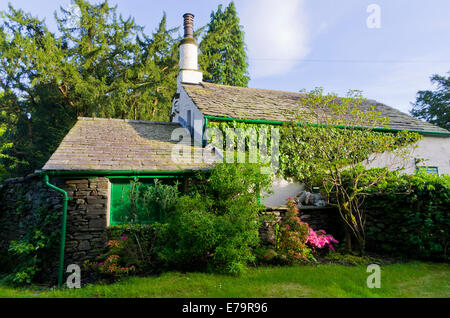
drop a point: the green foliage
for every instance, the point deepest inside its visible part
(117, 261)
(250, 138)
(340, 135)
(434, 106)
(37, 246)
(222, 58)
(146, 241)
(131, 249)
(98, 65)
(148, 203)
(289, 241)
(409, 215)
(192, 234)
(330, 142)
(216, 228)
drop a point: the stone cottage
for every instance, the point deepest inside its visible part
(87, 175)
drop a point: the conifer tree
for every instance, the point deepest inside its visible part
(223, 57)
(98, 65)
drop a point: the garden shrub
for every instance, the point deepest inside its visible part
(216, 228)
(289, 240)
(320, 240)
(38, 246)
(213, 227)
(137, 247)
(192, 234)
(119, 260)
(408, 215)
(148, 203)
(294, 241)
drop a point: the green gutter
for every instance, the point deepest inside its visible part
(117, 173)
(63, 228)
(279, 122)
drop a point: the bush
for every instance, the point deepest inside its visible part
(148, 203)
(289, 240)
(216, 228)
(118, 261)
(192, 234)
(38, 246)
(408, 215)
(143, 242)
(320, 241)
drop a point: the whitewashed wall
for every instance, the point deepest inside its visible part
(184, 104)
(435, 151)
(282, 189)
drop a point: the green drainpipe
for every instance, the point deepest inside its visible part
(63, 228)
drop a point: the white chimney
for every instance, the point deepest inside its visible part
(189, 73)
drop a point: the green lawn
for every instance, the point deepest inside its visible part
(397, 280)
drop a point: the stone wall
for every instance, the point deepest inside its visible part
(86, 214)
(86, 218)
(318, 218)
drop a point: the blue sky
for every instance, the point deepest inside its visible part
(303, 44)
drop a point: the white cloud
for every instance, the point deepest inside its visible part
(276, 35)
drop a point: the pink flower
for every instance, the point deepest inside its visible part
(124, 237)
(319, 239)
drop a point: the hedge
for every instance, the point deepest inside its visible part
(408, 215)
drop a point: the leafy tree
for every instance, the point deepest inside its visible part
(321, 152)
(223, 59)
(434, 106)
(99, 65)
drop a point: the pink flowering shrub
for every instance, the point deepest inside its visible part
(320, 239)
(120, 259)
(289, 241)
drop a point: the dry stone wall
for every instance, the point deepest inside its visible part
(86, 213)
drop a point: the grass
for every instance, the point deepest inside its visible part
(397, 280)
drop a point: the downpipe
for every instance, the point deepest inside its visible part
(63, 227)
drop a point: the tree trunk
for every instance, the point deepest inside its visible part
(348, 240)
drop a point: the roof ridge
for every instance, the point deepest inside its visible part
(253, 88)
(129, 120)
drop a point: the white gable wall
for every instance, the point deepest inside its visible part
(180, 109)
(433, 149)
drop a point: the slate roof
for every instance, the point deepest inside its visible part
(264, 104)
(115, 144)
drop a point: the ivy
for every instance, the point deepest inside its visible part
(36, 247)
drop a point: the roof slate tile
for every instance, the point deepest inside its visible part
(114, 144)
(264, 104)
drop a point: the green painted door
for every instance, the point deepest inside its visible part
(120, 201)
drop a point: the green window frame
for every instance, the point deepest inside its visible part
(119, 200)
(428, 169)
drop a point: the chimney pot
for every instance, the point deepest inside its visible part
(189, 72)
(188, 25)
